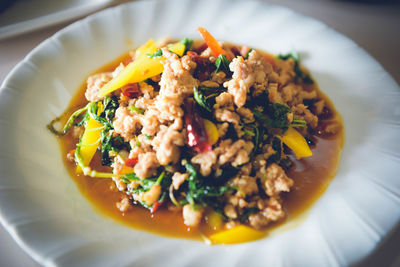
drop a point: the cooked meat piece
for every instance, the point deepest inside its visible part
(230, 211)
(236, 153)
(271, 212)
(166, 144)
(95, 83)
(191, 217)
(147, 165)
(178, 179)
(124, 204)
(125, 123)
(152, 196)
(303, 113)
(176, 77)
(275, 180)
(206, 160)
(246, 185)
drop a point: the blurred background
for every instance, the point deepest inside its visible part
(372, 24)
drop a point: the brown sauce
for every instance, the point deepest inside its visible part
(311, 178)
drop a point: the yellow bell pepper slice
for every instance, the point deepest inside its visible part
(238, 234)
(125, 170)
(212, 131)
(214, 220)
(177, 48)
(138, 70)
(90, 141)
(296, 142)
(142, 68)
(148, 47)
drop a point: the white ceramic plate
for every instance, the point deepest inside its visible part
(45, 213)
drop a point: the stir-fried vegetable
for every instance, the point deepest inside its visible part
(212, 43)
(237, 234)
(69, 123)
(274, 115)
(211, 130)
(90, 140)
(147, 64)
(214, 220)
(222, 64)
(226, 152)
(197, 135)
(296, 142)
(201, 192)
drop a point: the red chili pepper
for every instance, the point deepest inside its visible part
(196, 58)
(197, 135)
(201, 48)
(156, 206)
(203, 68)
(235, 51)
(131, 90)
(131, 162)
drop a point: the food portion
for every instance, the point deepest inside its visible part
(205, 130)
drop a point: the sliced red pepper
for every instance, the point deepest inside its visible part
(196, 133)
(156, 206)
(235, 51)
(131, 162)
(201, 48)
(204, 68)
(131, 90)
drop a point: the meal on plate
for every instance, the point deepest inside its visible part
(201, 139)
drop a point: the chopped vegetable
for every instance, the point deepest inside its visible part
(274, 115)
(69, 123)
(237, 234)
(177, 48)
(212, 131)
(131, 90)
(201, 99)
(138, 70)
(156, 54)
(148, 47)
(131, 162)
(197, 136)
(138, 110)
(222, 64)
(214, 220)
(247, 213)
(200, 193)
(188, 44)
(296, 142)
(90, 141)
(212, 43)
(141, 68)
(110, 143)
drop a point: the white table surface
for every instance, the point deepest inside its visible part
(374, 26)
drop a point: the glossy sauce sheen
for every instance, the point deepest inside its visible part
(311, 178)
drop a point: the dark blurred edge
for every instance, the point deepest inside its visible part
(375, 2)
(385, 253)
(4, 4)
